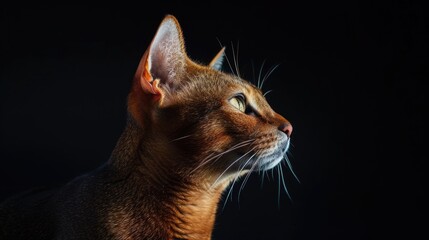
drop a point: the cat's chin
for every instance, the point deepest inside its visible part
(271, 160)
(267, 165)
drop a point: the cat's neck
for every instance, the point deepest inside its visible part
(185, 207)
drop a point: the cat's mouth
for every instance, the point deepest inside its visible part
(270, 157)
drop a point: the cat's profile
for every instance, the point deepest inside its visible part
(191, 130)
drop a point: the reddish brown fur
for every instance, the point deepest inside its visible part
(184, 142)
(184, 201)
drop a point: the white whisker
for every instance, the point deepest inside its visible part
(229, 192)
(237, 176)
(219, 155)
(272, 173)
(260, 75)
(262, 179)
(235, 58)
(290, 168)
(267, 92)
(238, 145)
(267, 75)
(246, 178)
(289, 165)
(227, 59)
(253, 72)
(238, 159)
(180, 138)
(283, 181)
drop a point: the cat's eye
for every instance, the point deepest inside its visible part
(238, 102)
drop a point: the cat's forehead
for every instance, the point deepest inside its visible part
(225, 84)
(245, 86)
(204, 85)
(239, 83)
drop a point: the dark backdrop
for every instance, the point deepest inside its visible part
(350, 79)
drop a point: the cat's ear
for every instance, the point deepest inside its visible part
(164, 60)
(217, 61)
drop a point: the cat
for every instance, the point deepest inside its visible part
(191, 130)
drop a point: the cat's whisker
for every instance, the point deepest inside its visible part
(238, 145)
(236, 178)
(235, 58)
(248, 175)
(232, 164)
(227, 59)
(253, 73)
(267, 75)
(289, 164)
(283, 181)
(251, 169)
(209, 158)
(267, 92)
(180, 138)
(272, 174)
(262, 179)
(229, 192)
(260, 75)
(246, 178)
(290, 167)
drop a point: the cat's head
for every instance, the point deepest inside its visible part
(205, 121)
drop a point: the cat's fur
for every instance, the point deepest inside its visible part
(191, 130)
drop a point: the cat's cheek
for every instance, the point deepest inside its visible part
(245, 124)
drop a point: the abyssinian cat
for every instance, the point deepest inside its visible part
(191, 130)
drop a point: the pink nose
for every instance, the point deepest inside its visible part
(286, 128)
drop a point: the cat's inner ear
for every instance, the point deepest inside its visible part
(164, 61)
(217, 61)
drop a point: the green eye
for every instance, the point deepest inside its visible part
(238, 102)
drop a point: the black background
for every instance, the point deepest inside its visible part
(350, 79)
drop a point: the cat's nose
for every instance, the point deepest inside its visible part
(286, 128)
